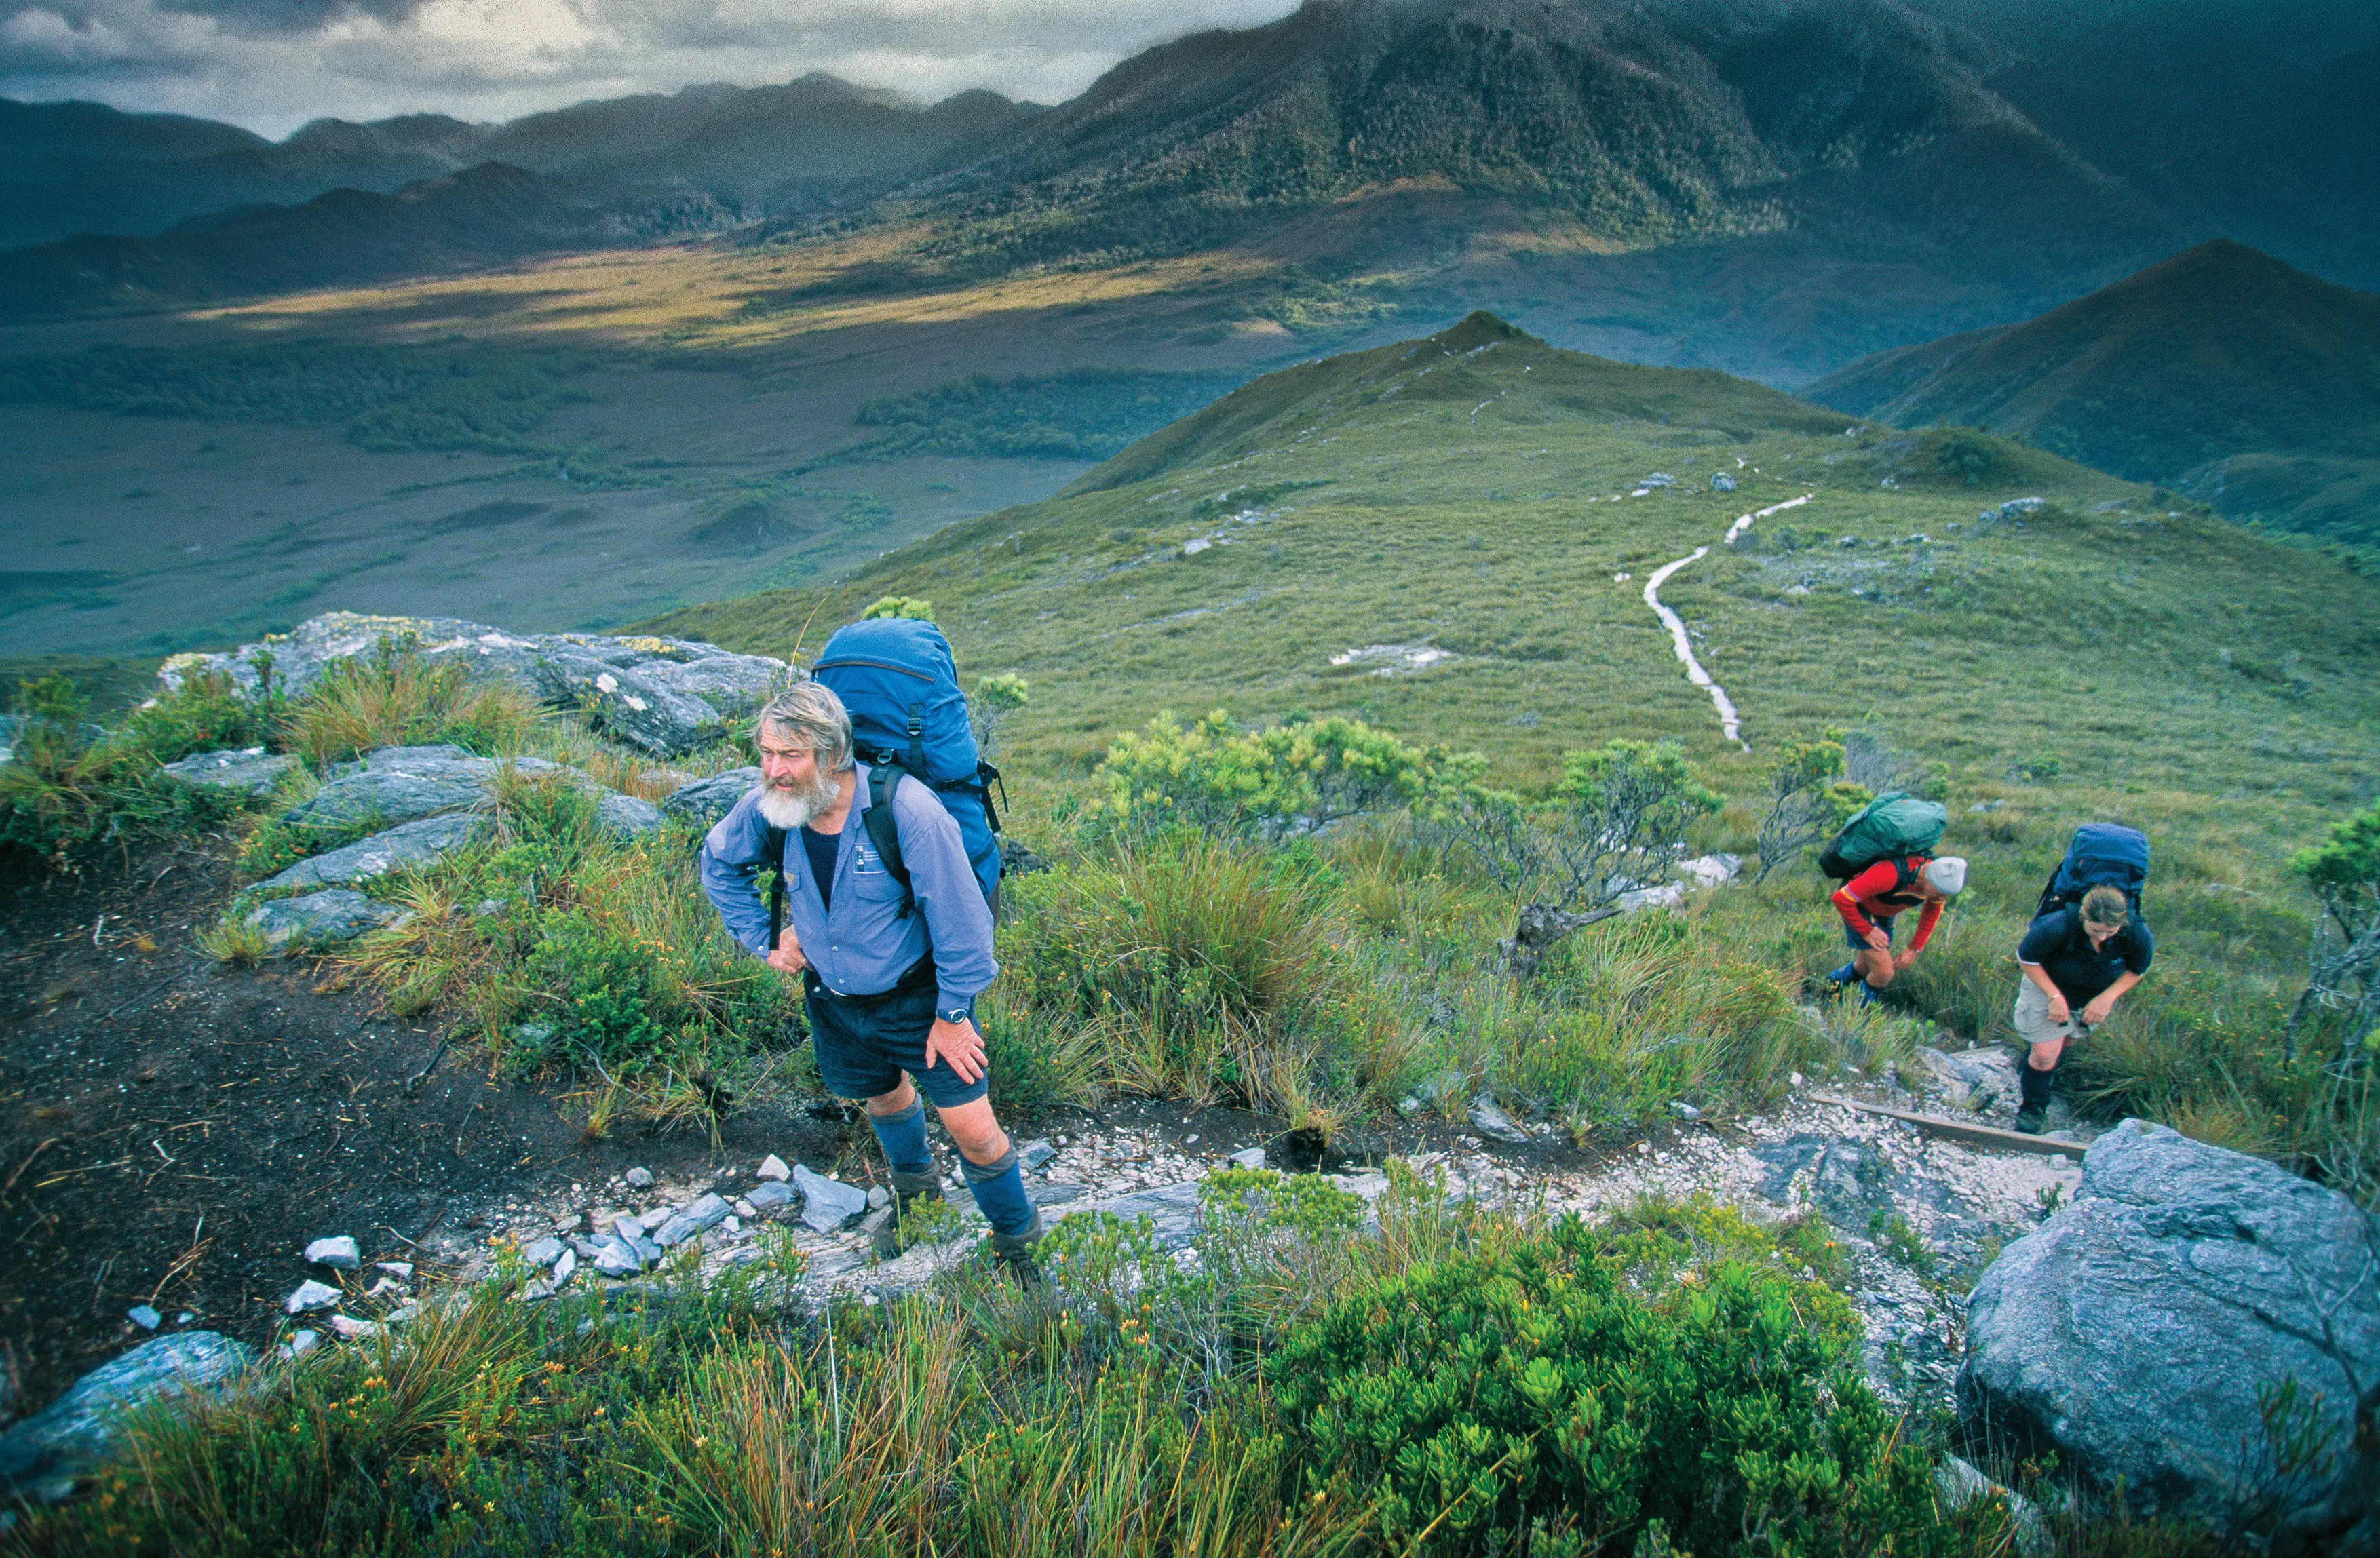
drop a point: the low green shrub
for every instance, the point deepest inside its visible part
(1528, 1400)
(66, 785)
(1274, 783)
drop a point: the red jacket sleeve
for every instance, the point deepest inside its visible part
(1933, 911)
(1881, 877)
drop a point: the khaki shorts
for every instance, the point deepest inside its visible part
(2032, 1018)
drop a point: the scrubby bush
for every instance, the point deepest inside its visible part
(1291, 779)
(898, 606)
(1528, 1400)
(2343, 986)
(995, 698)
(1617, 820)
(1809, 800)
(67, 784)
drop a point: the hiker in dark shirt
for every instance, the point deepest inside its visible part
(2077, 963)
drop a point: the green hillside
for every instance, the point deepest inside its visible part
(2224, 373)
(1459, 493)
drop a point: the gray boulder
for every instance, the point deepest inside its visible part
(397, 784)
(669, 696)
(319, 919)
(627, 817)
(2136, 1330)
(627, 703)
(42, 1456)
(250, 771)
(1722, 483)
(707, 799)
(413, 843)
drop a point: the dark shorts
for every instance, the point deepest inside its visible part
(864, 1045)
(1858, 943)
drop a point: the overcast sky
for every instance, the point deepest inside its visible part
(273, 65)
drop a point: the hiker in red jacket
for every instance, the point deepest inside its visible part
(1870, 901)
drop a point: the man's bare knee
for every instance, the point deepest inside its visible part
(976, 1130)
(1880, 973)
(900, 1101)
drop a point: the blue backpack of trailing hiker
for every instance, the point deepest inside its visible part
(2101, 854)
(907, 714)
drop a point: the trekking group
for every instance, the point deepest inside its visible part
(888, 924)
(2086, 947)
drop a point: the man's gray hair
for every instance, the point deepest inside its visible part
(808, 714)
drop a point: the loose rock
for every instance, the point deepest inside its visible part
(828, 1204)
(639, 1179)
(702, 1216)
(338, 1251)
(1495, 1124)
(309, 1295)
(144, 1316)
(772, 1167)
(1033, 1154)
(771, 1194)
(1248, 1157)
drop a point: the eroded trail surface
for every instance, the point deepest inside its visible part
(173, 1133)
(1730, 723)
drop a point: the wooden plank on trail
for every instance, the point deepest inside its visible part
(1962, 1131)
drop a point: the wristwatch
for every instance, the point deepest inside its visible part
(954, 1014)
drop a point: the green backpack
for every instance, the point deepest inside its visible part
(1894, 826)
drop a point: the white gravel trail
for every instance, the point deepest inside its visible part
(1730, 723)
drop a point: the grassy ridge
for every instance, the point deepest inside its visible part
(2101, 655)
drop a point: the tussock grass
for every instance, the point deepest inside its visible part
(397, 696)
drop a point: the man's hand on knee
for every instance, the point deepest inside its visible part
(957, 1044)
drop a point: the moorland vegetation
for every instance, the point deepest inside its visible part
(1297, 905)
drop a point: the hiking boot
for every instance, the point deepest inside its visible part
(908, 1190)
(2033, 1119)
(1014, 1253)
(1844, 974)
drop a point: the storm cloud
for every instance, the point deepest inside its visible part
(273, 65)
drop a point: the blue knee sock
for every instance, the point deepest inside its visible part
(1843, 975)
(1869, 994)
(999, 1189)
(903, 1139)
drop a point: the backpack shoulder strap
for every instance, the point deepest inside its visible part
(885, 828)
(773, 851)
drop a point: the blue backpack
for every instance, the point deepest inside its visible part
(907, 716)
(2101, 854)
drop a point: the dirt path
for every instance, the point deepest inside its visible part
(1730, 723)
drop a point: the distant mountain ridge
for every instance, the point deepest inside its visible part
(74, 168)
(2220, 372)
(485, 216)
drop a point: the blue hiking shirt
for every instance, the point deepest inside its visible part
(864, 945)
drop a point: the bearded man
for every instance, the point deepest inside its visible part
(890, 971)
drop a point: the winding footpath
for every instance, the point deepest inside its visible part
(1730, 723)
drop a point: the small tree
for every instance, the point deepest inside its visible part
(899, 606)
(995, 698)
(1272, 783)
(1617, 821)
(2344, 972)
(1809, 800)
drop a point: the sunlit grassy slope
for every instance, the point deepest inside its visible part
(1470, 494)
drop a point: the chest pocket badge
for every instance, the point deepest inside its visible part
(864, 861)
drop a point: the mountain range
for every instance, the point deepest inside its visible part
(70, 168)
(2221, 372)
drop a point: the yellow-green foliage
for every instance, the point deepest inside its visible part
(1294, 777)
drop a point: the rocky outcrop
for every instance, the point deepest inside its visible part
(397, 784)
(250, 771)
(705, 800)
(2171, 1332)
(414, 844)
(666, 695)
(318, 919)
(42, 1458)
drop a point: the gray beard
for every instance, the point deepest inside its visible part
(790, 809)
